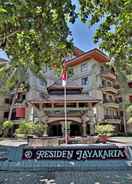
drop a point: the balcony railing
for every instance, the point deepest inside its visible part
(110, 89)
(111, 103)
(69, 109)
(111, 117)
(108, 74)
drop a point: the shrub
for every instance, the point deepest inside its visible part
(7, 126)
(39, 129)
(129, 109)
(25, 128)
(104, 129)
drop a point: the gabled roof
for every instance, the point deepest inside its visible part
(70, 98)
(96, 54)
(70, 85)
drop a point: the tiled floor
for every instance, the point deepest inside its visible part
(98, 177)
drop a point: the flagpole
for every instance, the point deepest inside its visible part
(65, 110)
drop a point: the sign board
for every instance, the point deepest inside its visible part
(74, 153)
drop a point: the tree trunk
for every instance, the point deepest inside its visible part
(124, 116)
(13, 101)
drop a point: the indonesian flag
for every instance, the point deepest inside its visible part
(64, 77)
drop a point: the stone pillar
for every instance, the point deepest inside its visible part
(85, 119)
(29, 112)
(62, 127)
(91, 118)
(44, 120)
(92, 128)
(68, 128)
(84, 126)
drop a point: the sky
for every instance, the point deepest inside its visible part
(82, 34)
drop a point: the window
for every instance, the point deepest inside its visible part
(104, 98)
(7, 101)
(110, 99)
(20, 97)
(109, 83)
(102, 69)
(83, 67)
(103, 83)
(84, 81)
(6, 115)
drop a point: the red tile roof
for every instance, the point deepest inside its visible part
(96, 54)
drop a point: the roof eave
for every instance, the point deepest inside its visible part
(94, 53)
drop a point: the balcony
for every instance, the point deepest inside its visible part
(108, 74)
(69, 109)
(110, 89)
(111, 103)
(112, 119)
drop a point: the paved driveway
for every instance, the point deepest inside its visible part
(98, 177)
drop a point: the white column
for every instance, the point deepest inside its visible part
(29, 112)
(91, 117)
(84, 126)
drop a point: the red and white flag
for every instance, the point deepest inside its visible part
(64, 77)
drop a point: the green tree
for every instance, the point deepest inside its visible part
(25, 128)
(39, 129)
(114, 24)
(35, 32)
(114, 18)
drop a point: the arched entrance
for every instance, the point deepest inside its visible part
(75, 129)
(54, 130)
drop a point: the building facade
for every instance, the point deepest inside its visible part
(91, 71)
(92, 93)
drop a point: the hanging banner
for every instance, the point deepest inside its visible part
(20, 112)
(75, 154)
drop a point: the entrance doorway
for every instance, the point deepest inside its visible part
(75, 129)
(54, 130)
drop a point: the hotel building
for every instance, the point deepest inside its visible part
(92, 97)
